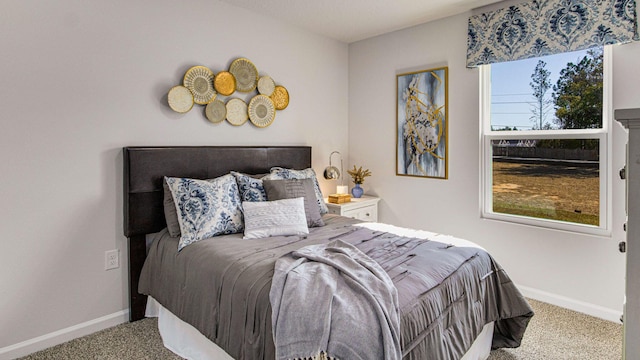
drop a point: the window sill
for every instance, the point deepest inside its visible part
(552, 225)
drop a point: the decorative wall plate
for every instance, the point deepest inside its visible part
(237, 112)
(280, 97)
(262, 111)
(224, 83)
(266, 85)
(246, 74)
(180, 99)
(216, 111)
(199, 79)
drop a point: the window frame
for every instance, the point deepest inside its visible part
(604, 135)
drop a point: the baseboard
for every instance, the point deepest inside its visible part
(572, 304)
(58, 337)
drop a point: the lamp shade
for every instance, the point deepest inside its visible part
(331, 173)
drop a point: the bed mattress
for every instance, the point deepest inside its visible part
(446, 293)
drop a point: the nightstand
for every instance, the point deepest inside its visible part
(364, 208)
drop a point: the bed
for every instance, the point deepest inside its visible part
(207, 320)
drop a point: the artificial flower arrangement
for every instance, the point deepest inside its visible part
(358, 174)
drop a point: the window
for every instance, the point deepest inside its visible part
(546, 139)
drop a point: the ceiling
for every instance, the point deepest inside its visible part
(352, 20)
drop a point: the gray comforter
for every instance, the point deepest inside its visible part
(446, 294)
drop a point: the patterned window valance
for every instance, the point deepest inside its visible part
(545, 27)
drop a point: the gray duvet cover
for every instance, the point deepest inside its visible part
(446, 294)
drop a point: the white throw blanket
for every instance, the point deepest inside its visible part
(332, 301)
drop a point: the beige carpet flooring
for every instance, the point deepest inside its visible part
(557, 333)
(553, 333)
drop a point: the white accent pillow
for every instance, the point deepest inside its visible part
(274, 218)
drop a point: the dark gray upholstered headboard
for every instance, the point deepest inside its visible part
(144, 169)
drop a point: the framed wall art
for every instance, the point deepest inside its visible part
(422, 125)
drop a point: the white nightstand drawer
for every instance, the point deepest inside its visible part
(364, 208)
(367, 213)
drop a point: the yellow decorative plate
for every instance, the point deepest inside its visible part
(180, 99)
(237, 112)
(216, 111)
(280, 97)
(199, 79)
(224, 83)
(262, 111)
(266, 85)
(246, 74)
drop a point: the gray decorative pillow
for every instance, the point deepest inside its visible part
(274, 218)
(309, 173)
(294, 188)
(206, 208)
(170, 214)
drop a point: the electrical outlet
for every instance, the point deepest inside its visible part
(111, 259)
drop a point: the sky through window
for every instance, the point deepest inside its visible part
(512, 96)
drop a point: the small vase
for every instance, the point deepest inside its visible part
(357, 191)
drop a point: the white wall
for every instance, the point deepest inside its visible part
(81, 79)
(582, 272)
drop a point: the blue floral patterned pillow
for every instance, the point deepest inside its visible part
(251, 189)
(282, 173)
(206, 208)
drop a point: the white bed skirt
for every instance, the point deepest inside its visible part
(181, 338)
(187, 342)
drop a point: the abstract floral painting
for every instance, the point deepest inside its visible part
(422, 124)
